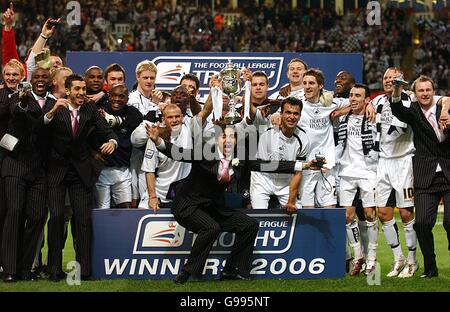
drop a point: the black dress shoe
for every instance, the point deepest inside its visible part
(28, 276)
(182, 277)
(231, 274)
(56, 277)
(9, 278)
(87, 278)
(430, 274)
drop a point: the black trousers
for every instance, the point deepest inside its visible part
(82, 202)
(208, 225)
(2, 213)
(2, 206)
(426, 202)
(26, 213)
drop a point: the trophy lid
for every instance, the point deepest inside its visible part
(229, 64)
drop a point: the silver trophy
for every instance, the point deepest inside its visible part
(399, 81)
(231, 86)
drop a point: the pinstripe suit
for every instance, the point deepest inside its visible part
(23, 171)
(4, 118)
(199, 206)
(429, 185)
(71, 167)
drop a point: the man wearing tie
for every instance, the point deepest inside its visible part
(199, 203)
(70, 121)
(25, 179)
(431, 165)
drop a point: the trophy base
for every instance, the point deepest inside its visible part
(232, 119)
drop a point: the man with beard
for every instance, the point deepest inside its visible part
(115, 179)
(23, 171)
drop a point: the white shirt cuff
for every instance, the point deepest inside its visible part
(396, 99)
(161, 146)
(115, 142)
(298, 166)
(47, 120)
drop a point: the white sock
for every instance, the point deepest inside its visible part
(348, 252)
(353, 238)
(390, 230)
(372, 233)
(364, 236)
(411, 240)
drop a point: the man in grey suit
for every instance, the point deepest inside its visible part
(431, 164)
(199, 203)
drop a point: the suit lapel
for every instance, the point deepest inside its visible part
(65, 115)
(33, 105)
(82, 120)
(48, 104)
(428, 125)
(438, 112)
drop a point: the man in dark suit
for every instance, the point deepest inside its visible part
(71, 167)
(23, 171)
(199, 204)
(431, 165)
(12, 73)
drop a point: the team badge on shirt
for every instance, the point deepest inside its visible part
(149, 153)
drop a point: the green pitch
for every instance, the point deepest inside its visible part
(347, 284)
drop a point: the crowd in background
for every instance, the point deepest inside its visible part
(105, 149)
(257, 29)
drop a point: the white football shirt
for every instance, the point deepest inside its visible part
(315, 120)
(353, 163)
(395, 141)
(274, 145)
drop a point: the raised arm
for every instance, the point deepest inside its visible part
(47, 31)
(444, 119)
(206, 111)
(9, 51)
(403, 113)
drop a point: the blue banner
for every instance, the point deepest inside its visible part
(138, 244)
(173, 65)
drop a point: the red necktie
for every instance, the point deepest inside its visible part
(432, 120)
(41, 102)
(224, 176)
(74, 114)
